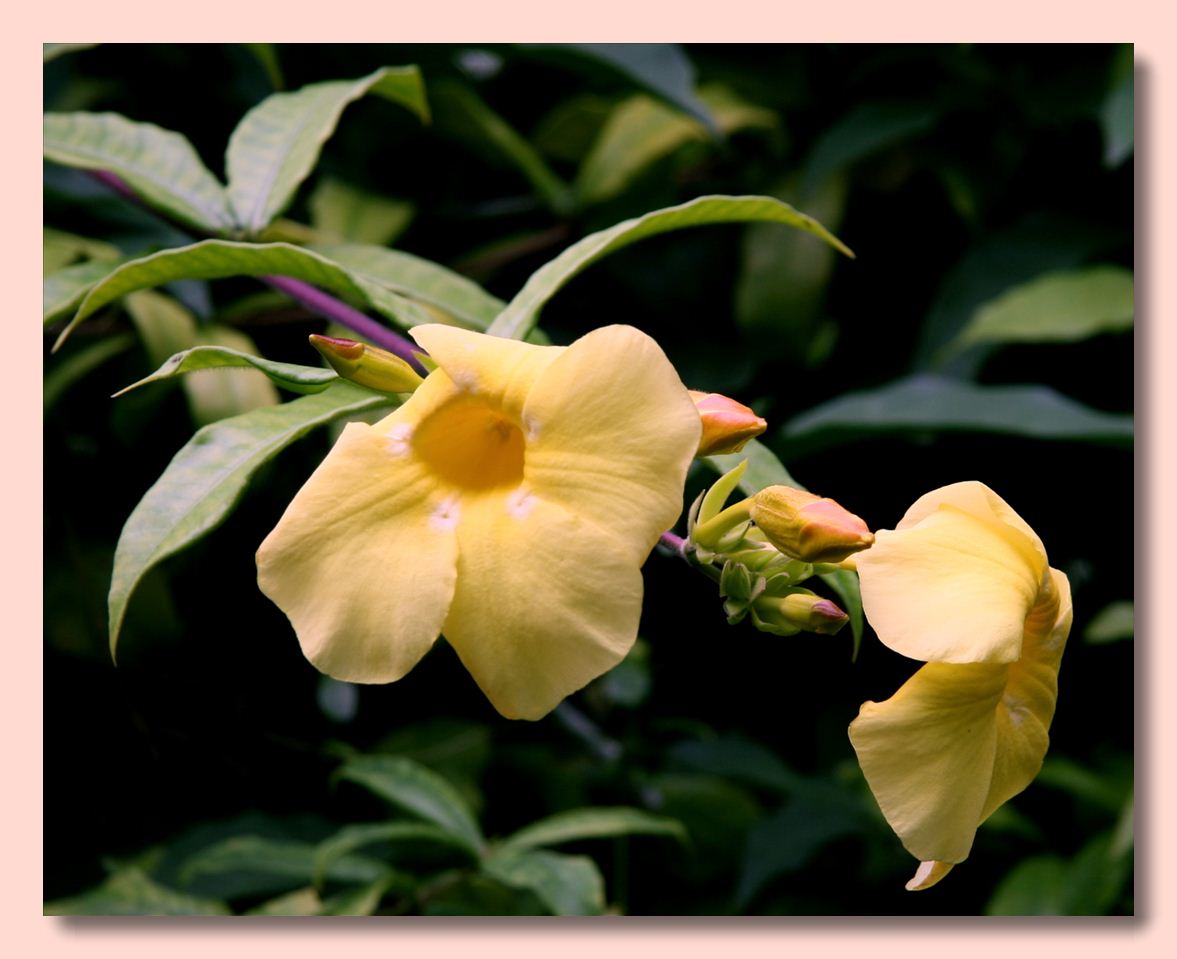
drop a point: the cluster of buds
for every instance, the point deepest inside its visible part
(769, 543)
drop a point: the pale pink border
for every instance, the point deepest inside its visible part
(26, 933)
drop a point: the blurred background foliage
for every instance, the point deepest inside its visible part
(983, 332)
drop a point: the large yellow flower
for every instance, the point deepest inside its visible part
(509, 504)
(962, 583)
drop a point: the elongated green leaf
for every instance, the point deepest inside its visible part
(130, 892)
(63, 290)
(73, 368)
(51, 51)
(342, 213)
(206, 478)
(277, 143)
(421, 280)
(259, 865)
(412, 787)
(928, 402)
(566, 885)
(1116, 111)
(351, 838)
(357, 900)
(1116, 621)
(521, 313)
(214, 259)
(662, 69)
(764, 469)
(462, 113)
(59, 249)
(593, 823)
(289, 376)
(301, 902)
(1056, 307)
(159, 165)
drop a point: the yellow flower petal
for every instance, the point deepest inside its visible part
(363, 560)
(979, 501)
(958, 740)
(499, 370)
(544, 603)
(950, 588)
(615, 449)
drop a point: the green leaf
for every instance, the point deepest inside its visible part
(593, 823)
(867, 129)
(344, 213)
(300, 902)
(289, 376)
(1102, 788)
(1035, 887)
(277, 143)
(1057, 307)
(522, 312)
(267, 56)
(1115, 621)
(639, 132)
(1116, 111)
(130, 892)
(566, 885)
(1089, 884)
(410, 786)
(255, 865)
(358, 900)
(73, 368)
(354, 837)
(421, 280)
(59, 249)
(463, 114)
(735, 758)
(62, 291)
(926, 402)
(206, 478)
(216, 259)
(662, 69)
(764, 469)
(158, 165)
(51, 51)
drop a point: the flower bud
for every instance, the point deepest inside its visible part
(808, 527)
(366, 365)
(797, 610)
(727, 425)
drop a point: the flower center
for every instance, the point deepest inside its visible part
(471, 445)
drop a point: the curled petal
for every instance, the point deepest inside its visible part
(544, 603)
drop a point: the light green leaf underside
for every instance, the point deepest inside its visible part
(593, 823)
(161, 166)
(412, 787)
(926, 402)
(342, 213)
(63, 290)
(289, 862)
(289, 376)
(462, 113)
(1065, 306)
(206, 478)
(764, 469)
(422, 280)
(566, 885)
(59, 249)
(522, 312)
(131, 892)
(354, 837)
(216, 259)
(1115, 621)
(277, 143)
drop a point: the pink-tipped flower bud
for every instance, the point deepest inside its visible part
(807, 527)
(798, 610)
(727, 425)
(367, 365)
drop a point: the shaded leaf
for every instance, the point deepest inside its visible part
(356, 836)
(344, 213)
(130, 892)
(1086, 885)
(277, 143)
(522, 312)
(867, 129)
(566, 885)
(462, 113)
(358, 900)
(412, 787)
(72, 368)
(734, 758)
(592, 823)
(1113, 622)
(267, 56)
(1057, 307)
(1116, 111)
(158, 165)
(51, 51)
(289, 376)
(63, 290)
(215, 259)
(206, 478)
(1103, 788)
(926, 402)
(300, 902)
(59, 249)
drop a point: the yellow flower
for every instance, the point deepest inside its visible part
(962, 583)
(509, 504)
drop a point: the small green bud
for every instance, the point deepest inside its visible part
(798, 609)
(366, 365)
